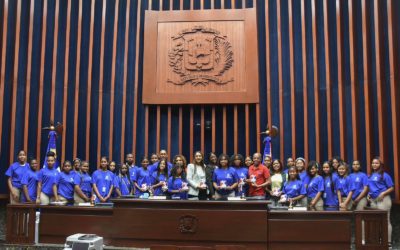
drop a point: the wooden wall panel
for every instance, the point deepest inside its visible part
(3, 63)
(316, 80)
(394, 86)
(14, 82)
(28, 75)
(305, 80)
(215, 127)
(65, 96)
(353, 80)
(90, 67)
(366, 33)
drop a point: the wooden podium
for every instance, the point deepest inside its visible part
(176, 224)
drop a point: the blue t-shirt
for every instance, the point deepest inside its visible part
(84, 181)
(104, 181)
(294, 188)
(344, 185)
(359, 180)
(16, 172)
(378, 184)
(157, 179)
(305, 178)
(176, 184)
(48, 177)
(330, 196)
(242, 174)
(132, 172)
(143, 177)
(315, 185)
(30, 179)
(227, 176)
(123, 184)
(65, 185)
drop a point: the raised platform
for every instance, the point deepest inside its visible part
(169, 224)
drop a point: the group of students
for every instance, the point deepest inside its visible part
(328, 186)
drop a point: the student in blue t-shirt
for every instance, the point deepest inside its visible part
(177, 183)
(29, 182)
(154, 158)
(163, 155)
(63, 186)
(15, 173)
(344, 186)
(336, 161)
(160, 179)
(293, 188)
(76, 168)
(380, 186)
(330, 192)
(103, 182)
(360, 182)
(123, 185)
(242, 173)
(300, 164)
(132, 169)
(315, 187)
(143, 179)
(83, 184)
(289, 163)
(225, 179)
(46, 178)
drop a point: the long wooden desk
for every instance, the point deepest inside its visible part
(169, 224)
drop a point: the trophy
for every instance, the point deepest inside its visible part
(203, 183)
(185, 186)
(164, 186)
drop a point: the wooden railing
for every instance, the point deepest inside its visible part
(21, 224)
(371, 228)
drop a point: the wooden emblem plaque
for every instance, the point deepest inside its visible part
(200, 57)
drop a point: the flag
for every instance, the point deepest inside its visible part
(267, 147)
(51, 147)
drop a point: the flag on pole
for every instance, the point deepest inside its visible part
(51, 147)
(267, 148)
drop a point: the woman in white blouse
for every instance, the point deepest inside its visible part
(196, 176)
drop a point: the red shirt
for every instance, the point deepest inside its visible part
(262, 174)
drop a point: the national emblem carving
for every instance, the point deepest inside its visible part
(199, 56)
(188, 224)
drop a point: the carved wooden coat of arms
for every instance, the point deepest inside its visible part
(199, 56)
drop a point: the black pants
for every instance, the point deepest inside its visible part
(202, 195)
